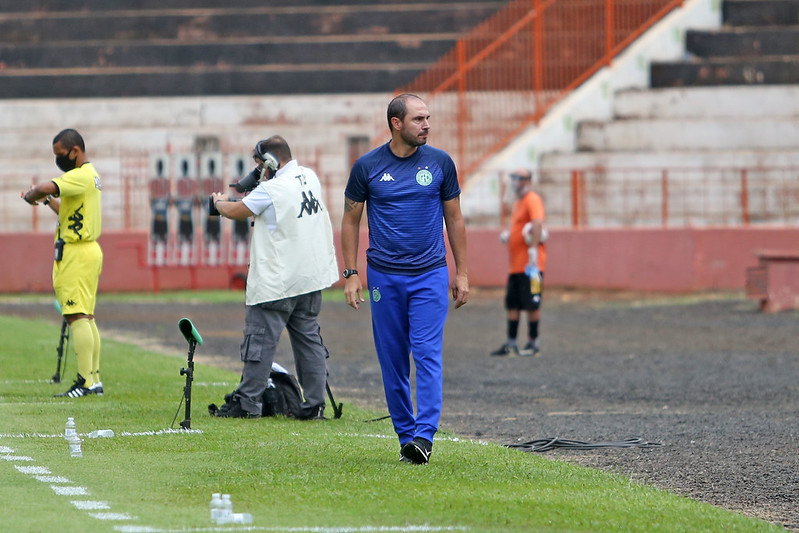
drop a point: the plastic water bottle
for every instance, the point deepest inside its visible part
(226, 511)
(74, 446)
(242, 518)
(69, 429)
(216, 506)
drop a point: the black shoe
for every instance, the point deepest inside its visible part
(235, 410)
(531, 349)
(77, 390)
(417, 451)
(506, 350)
(316, 413)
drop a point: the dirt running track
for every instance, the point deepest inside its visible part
(711, 379)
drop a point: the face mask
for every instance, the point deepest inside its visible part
(65, 163)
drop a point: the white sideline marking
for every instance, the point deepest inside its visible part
(52, 479)
(111, 516)
(438, 439)
(88, 505)
(33, 469)
(42, 474)
(167, 431)
(300, 529)
(69, 491)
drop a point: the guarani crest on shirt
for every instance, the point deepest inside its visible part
(424, 177)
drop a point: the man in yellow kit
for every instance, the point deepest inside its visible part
(75, 198)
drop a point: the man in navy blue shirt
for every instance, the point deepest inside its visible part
(410, 191)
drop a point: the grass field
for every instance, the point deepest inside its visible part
(324, 476)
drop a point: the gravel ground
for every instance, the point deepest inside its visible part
(709, 378)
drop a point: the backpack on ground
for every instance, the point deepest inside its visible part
(283, 395)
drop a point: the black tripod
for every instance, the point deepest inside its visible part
(63, 346)
(193, 337)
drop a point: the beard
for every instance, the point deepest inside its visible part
(413, 140)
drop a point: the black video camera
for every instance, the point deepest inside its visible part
(244, 186)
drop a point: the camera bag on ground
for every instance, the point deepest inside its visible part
(282, 397)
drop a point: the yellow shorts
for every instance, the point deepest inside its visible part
(76, 276)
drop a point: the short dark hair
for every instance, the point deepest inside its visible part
(277, 146)
(398, 108)
(69, 139)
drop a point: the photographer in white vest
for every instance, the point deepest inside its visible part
(292, 258)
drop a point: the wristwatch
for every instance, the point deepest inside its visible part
(349, 272)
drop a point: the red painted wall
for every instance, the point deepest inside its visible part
(672, 260)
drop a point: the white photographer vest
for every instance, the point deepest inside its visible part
(299, 256)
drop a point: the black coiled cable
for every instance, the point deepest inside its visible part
(545, 445)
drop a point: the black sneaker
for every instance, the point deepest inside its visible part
(97, 389)
(235, 410)
(77, 390)
(417, 451)
(316, 413)
(531, 349)
(506, 350)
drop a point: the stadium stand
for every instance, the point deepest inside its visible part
(757, 45)
(58, 49)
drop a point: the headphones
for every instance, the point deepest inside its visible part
(271, 164)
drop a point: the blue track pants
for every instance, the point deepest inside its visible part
(408, 316)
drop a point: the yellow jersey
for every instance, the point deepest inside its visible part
(79, 216)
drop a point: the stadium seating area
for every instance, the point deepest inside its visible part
(58, 48)
(757, 45)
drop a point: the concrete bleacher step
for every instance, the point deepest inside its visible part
(188, 81)
(760, 12)
(689, 134)
(733, 101)
(210, 24)
(420, 48)
(45, 6)
(749, 41)
(758, 44)
(140, 49)
(772, 70)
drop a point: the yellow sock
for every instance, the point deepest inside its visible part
(83, 342)
(95, 353)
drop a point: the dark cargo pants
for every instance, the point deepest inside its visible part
(263, 325)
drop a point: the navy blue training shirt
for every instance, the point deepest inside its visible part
(404, 206)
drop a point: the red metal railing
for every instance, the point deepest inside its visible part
(670, 197)
(511, 69)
